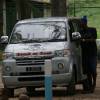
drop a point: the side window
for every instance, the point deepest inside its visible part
(76, 25)
(71, 29)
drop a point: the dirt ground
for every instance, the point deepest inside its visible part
(58, 93)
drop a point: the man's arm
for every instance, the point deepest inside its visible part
(92, 32)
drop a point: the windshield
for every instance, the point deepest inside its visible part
(39, 32)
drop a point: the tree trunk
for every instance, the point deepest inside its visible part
(23, 9)
(58, 8)
(1, 17)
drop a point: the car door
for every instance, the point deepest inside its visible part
(78, 58)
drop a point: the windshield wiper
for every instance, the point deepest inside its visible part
(31, 40)
(39, 41)
(54, 40)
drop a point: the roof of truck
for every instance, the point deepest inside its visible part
(44, 19)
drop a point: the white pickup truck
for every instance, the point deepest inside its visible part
(32, 42)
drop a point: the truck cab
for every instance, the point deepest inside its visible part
(34, 41)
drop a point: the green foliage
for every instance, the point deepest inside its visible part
(90, 8)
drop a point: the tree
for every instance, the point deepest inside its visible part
(23, 9)
(58, 8)
(1, 17)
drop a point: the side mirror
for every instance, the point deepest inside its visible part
(76, 35)
(4, 39)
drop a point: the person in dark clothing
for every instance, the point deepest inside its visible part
(89, 54)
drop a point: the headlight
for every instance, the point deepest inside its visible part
(7, 55)
(7, 68)
(62, 53)
(60, 66)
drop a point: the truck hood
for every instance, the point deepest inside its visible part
(36, 47)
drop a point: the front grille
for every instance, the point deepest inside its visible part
(32, 69)
(31, 61)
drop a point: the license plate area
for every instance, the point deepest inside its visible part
(33, 69)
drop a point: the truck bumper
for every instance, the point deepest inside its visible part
(24, 81)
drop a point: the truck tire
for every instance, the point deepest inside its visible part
(30, 90)
(71, 90)
(71, 87)
(86, 85)
(9, 92)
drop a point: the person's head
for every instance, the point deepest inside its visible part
(84, 21)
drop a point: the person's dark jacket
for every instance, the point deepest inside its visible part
(89, 46)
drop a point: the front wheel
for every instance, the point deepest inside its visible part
(30, 90)
(9, 92)
(86, 85)
(71, 87)
(71, 90)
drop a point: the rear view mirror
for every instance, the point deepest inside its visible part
(4, 39)
(76, 35)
